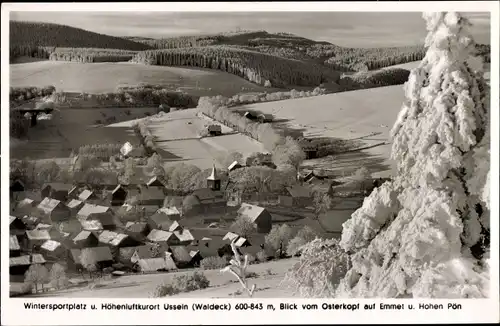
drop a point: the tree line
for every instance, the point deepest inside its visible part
(378, 78)
(256, 67)
(90, 55)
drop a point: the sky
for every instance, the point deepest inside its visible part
(356, 29)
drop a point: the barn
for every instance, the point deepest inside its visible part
(54, 209)
(258, 215)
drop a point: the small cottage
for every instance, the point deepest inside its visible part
(172, 213)
(20, 265)
(74, 206)
(137, 231)
(157, 181)
(53, 250)
(87, 195)
(184, 236)
(181, 256)
(54, 209)
(152, 196)
(115, 239)
(160, 221)
(59, 191)
(152, 265)
(35, 238)
(91, 225)
(301, 195)
(258, 215)
(101, 255)
(162, 237)
(118, 195)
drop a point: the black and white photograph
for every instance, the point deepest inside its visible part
(162, 154)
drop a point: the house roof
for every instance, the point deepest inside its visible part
(181, 254)
(101, 254)
(184, 235)
(251, 211)
(298, 191)
(137, 227)
(12, 219)
(156, 179)
(51, 245)
(25, 260)
(91, 225)
(48, 205)
(118, 187)
(174, 227)
(213, 175)
(161, 220)
(112, 238)
(233, 165)
(152, 193)
(207, 194)
(152, 264)
(13, 243)
(74, 203)
(83, 235)
(58, 186)
(85, 195)
(43, 226)
(159, 235)
(38, 234)
(193, 253)
(144, 252)
(230, 236)
(89, 209)
(241, 242)
(105, 218)
(169, 211)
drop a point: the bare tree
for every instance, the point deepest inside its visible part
(278, 238)
(243, 226)
(37, 274)
(88, 260)
(322, 203)
(58, 276)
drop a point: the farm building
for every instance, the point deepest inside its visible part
(234, 166)
(184, 236)
(258, 215)
(210, 200)
(249, 115)
(137, 231)
(102, 256)
(54, 209)
(16, 226)
(304, 176)
(171, 212)
(59, 191)
(214, 130)
(14, 247)
(230, 236)
(152, 264)
(148, 251)
(87, 195)
(160, 221)
(74, 206)
(118, 195)
(207, 246)
(152, 196)
(53, 249)
(103, 214)
(19, 265)
(213, 180)
(162, 237)
(301, 195)
(181, 256)
(175, 227)
(35, 238)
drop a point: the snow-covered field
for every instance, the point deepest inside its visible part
(270, 275)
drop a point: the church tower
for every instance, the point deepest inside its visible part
(213, 181)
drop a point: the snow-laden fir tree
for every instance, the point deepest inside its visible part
(426, 232)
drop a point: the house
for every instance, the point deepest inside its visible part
(87, 195)
(196, 257)
(171, 212)
(103, 214)
(102, 256)
(54, 209)
(160, 221)
(258, 215)
(35, 238)
(305, 176)
(43, 226)
(152, 196)
(181, 256)
(148, 251)
(53, 249)
(265, 118)
(126, 148)
(230, 236)
(214, 130)
(301, 195)
(213, 180)
(162, 237)
(175, 227)
(16, 226)
(30, 222)
(152, 264)
(242, 242)
(25, 206)
(73, 192)
(118, 195)
(19, 265)
(184, 236)
(234, 166)
(17, 186)
(14, 247)
(286, 201)
(59, 191)
(137, 231)
(115, 239)
(208, 246)
(74, 206)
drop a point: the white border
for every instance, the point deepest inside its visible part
(473, 311)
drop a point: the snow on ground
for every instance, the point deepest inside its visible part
(221, 285)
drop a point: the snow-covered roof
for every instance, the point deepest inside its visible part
(89, 209)
(25, 202)
(159, 235)
(83, 235)
(169, 211)
(252, 212)
(26, 260)
(13, 243)
(152, 264)
(85, 195)
(174, 227)
(112, 238)
(184, 235)
(74, 203)
(233, 165)
(213, 175)
(48, 205)
(126, 148)
(50, 245)
(91, 225)
(38, 234)
(230, 236)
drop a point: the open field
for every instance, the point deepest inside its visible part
(221, 285)
(105, 77)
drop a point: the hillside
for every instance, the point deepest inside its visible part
(55, 35)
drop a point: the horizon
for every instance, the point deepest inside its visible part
(350, 29)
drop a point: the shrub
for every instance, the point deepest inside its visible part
(262, 256)
(182, 283)
(213, 262)
(36, 274)
(322, 265)
(163, 290)
(303, 237)
(278, 238)
(58, 276)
